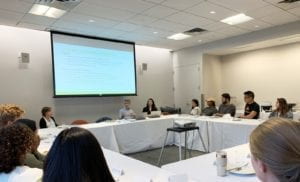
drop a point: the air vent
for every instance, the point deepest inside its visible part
(288, 1)
(195, 31)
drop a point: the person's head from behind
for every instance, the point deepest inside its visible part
(127, 103)
(150, 103)
(9, 113)
(282, 106)
(226, 98)
(76, 156)
(15, 141)
(31, 125)
(195, 103)
(47, 112)
(275, 149)
(248, 97)
(210, 102)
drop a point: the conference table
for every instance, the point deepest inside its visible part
(203, 168)
(123, 168)
(128, 136)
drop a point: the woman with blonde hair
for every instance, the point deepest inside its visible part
(275, 149)
(9, 113)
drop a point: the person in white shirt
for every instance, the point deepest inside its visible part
(16, 140)
(127, 112)
(47, 121)
(195, 107)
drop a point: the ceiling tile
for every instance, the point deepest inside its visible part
(295, 11)
(142, 19)
(126, 26)
(181, 4)
(189, 19)
(240, 5)
(15, 5)
(31, 26)
(9, 17)
(254, 25)
(79, 18)
(150, 31)
(38, 20)
(280, 18)
(170, 26)
(285, 6)
(264, 11)
(204, 9)
(102, 12)
(215, 26)
(232, 31)
(130, 5)
(159, 11)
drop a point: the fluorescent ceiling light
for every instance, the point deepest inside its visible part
(179, 36)
(38, 9)
(43, 10)
(237, 19)
(55, 13)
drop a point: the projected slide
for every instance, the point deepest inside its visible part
(89, 67)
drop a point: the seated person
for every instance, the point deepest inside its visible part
(9, 113)
(76, 155)
(252, 109)
(282, 110)
(275, 150)
(126, 112)
(16, 140)
(47, 120)
(33, 158)
(210, 109)
(226, 107)
(195, 107)
(150, 106)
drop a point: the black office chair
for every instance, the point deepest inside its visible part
(102, 119)
(180, 130)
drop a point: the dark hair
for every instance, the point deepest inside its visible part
(15, 141)
(283, 106)
(28, 122)
(249, 94)
(226, 96)
(76, 156)
(196, 102)
(153, 105)
(45, 110)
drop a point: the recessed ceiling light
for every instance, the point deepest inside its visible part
(179, 36)
(256, 26)
(43, 10)
(155, 32)
(91, 21)
(199, 40)
(237, 19)
(212, 12)
(54, 12)
(38, 9)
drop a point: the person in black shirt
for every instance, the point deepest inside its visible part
(252, 109)
(150, 106)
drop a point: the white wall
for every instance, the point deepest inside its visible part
(211, 77)
(270, 73)
(187, 65)
(31, 85)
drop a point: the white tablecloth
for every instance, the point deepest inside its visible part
(203, 169)
(142, 135)
(265, 115)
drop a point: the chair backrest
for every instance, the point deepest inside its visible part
(170, 110)
(102, 119)
(79, 122)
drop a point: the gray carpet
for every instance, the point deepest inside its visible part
(170, 155)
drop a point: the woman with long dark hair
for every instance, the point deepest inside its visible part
(282, 110)
(76, 156)
(150, 106)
